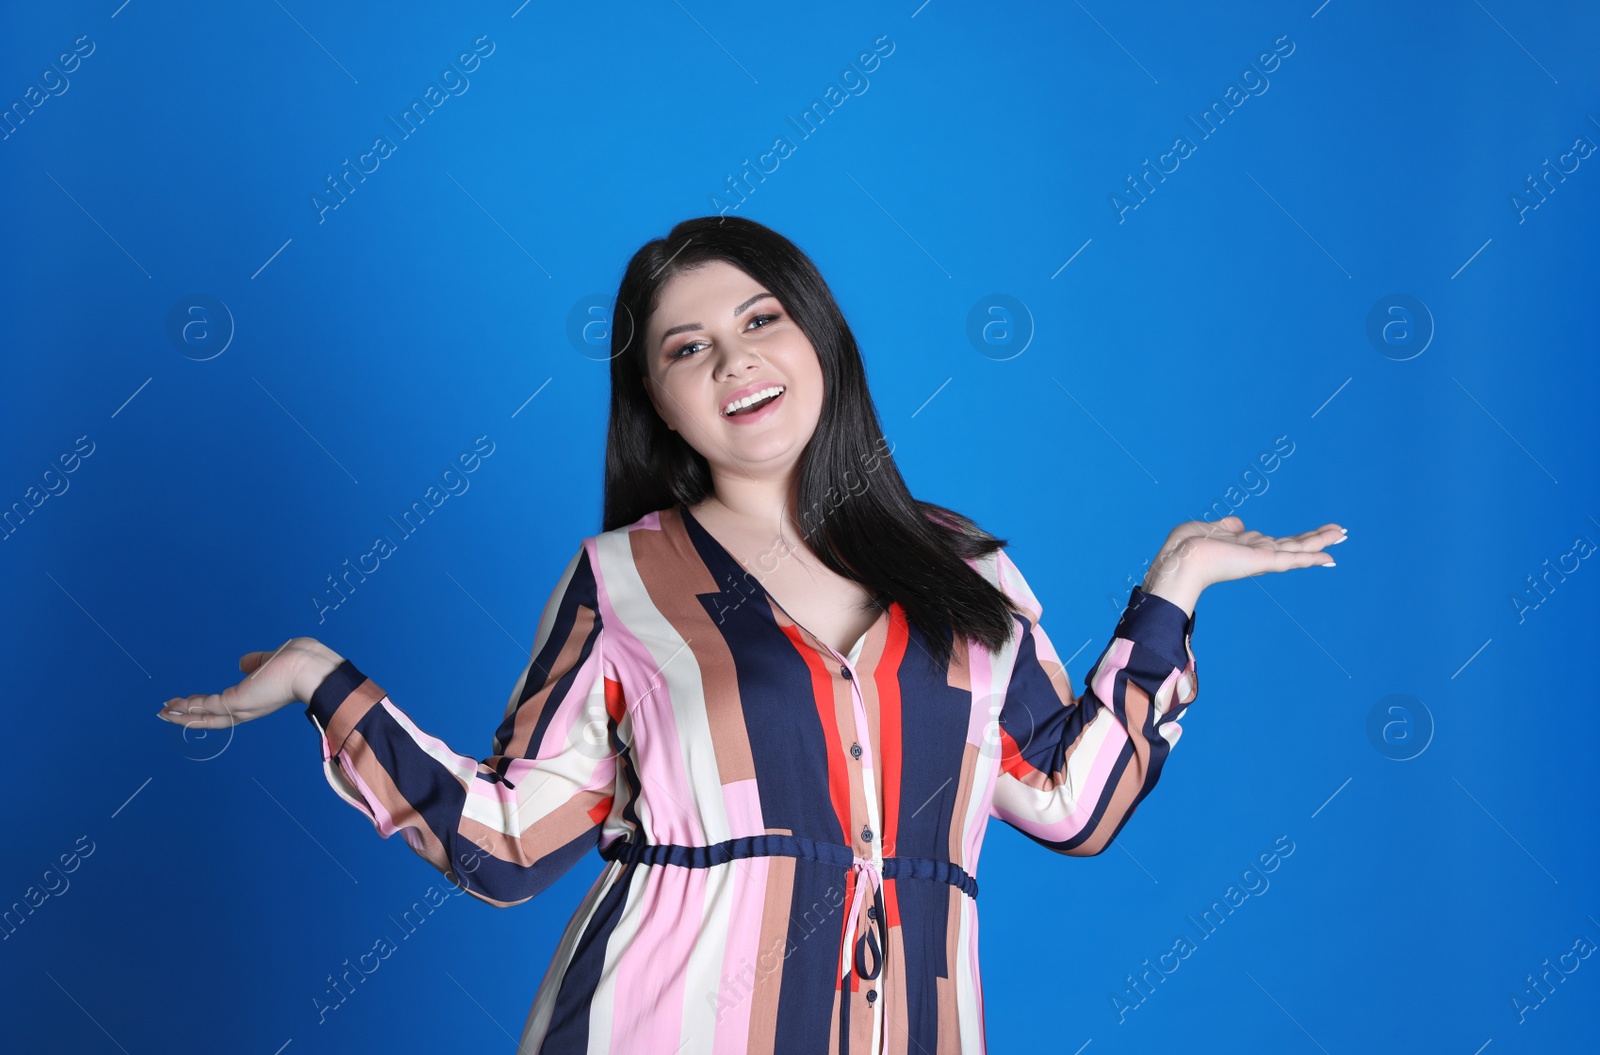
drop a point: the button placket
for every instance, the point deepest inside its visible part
(869, 783)
(869, 796)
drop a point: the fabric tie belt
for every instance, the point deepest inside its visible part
(874, 940)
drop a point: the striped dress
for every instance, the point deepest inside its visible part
(790, 835)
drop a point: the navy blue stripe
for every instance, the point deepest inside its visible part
(784, 846)
(582, 592)
(568, 1030)
(775, 700)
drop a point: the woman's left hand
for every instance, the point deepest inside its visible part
(1199, 553)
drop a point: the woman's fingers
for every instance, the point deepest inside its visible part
(201, 711)
(1316, 539)
(267, 686)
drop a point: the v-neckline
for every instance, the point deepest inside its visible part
(689, 517)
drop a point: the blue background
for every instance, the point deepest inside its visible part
(1116, 396)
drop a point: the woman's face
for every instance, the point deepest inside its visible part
(717, 336)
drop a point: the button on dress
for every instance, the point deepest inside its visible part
(790, 834)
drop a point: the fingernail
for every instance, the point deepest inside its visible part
(1330, 564)
(1338, 540)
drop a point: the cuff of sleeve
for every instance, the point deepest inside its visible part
(339, 701)
(1159, 625)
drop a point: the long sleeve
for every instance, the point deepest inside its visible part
(506, 827)
(1073, 768)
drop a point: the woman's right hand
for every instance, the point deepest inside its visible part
(275, 679)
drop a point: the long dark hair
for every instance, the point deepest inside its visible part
(855, 511)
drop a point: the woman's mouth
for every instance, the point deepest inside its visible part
(755, 406)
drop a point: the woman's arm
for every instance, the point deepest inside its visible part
(1073, 769)
(506, 826)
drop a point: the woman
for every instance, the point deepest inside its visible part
(780, 694)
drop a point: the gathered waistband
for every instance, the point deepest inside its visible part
(625, 849)
(874, 941)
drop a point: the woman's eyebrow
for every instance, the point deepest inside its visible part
(740, 310)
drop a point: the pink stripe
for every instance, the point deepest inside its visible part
(1105, 677)
(744, 966)
(980, 665)
(971, 908)
(385, 823)
(742, 803)
(655, 727)
(652, 975)
(1100, 772)
(1094, 787)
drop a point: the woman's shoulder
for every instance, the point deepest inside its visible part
(986, 554)
(606, 547)
(655, 520)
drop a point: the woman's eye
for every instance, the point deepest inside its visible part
(688, 349)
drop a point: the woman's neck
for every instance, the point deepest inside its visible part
(752, 508)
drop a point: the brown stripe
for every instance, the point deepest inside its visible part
(844, 718)
(1137, 707)
(533, 707)
(949, 1003)
(949, 1017)
(892, 984)
(543, 835)
(773, 953)
(833, 1023)
(401, 812)
(868, 659)
(350, 711)
(958, 811)
(861, 1015)
(673, 573)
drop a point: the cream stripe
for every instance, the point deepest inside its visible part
(688, 778)
(697, 1028)
(603, 1004)
(538, 1020)
(967, 978)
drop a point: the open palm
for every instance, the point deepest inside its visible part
(1211, 552)
(270, 685)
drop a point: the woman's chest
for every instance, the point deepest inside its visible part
(835, 610)
(729, 681)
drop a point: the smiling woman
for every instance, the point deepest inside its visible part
(734, 310)
(788, 771)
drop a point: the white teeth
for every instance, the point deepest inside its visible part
(752, 398)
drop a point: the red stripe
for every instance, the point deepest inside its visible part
(614, 700)
(1011, 760)
(822, 696)
(890, 740)
(838, 779)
